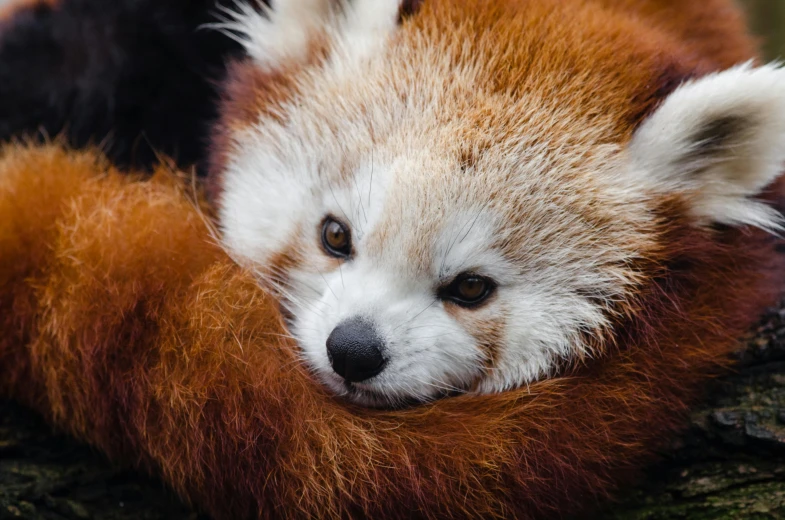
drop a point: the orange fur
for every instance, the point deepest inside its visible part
(126, 327)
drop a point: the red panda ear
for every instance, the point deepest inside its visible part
(273, 35)
(283, 33)
(718, 141)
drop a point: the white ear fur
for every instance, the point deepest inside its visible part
(719, 140)
(274, 35)
(367, 25)
(282, 33)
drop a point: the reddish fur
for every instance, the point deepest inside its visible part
(618, 57)
(133, 333)
(125, 327)
(487, 333)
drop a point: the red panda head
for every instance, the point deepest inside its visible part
(465, 200)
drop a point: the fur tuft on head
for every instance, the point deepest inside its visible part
(284, 32)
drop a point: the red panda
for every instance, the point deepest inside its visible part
(131, 331)
(477, 195)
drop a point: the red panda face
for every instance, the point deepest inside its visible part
(439, 216)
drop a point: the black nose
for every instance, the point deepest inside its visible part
(355, 350)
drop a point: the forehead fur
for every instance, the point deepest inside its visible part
(610, 60)
(513, 106)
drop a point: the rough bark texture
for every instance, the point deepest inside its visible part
(45, 476)
(730, 464)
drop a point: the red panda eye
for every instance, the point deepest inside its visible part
(468, 290)
(336, 238)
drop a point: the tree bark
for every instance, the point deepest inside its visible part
(731, 462)
(45, 476)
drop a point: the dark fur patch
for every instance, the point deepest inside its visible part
(717, 135)
(408, 8)
(137, 77)
(665, 82)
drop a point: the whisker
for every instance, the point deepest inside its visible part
(435, 337)
(440, 385)
(416, 315)
(471, 227)
(370, 185)
(335, 198)
(340, 270)
(328, 285)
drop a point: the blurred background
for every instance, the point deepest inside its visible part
(767, 18)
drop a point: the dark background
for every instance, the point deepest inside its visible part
(767, 18)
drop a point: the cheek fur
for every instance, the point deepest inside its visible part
(310, 323)
(316, 291)
(485, 325)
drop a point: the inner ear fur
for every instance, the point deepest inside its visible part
(719, 141)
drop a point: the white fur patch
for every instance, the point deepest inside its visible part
(541, 311)
(272, 36)
(263, 194)
(282, 33)
(367, 25)
(718, 140)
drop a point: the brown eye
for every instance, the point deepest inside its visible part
(336, 238)
(468, 290)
